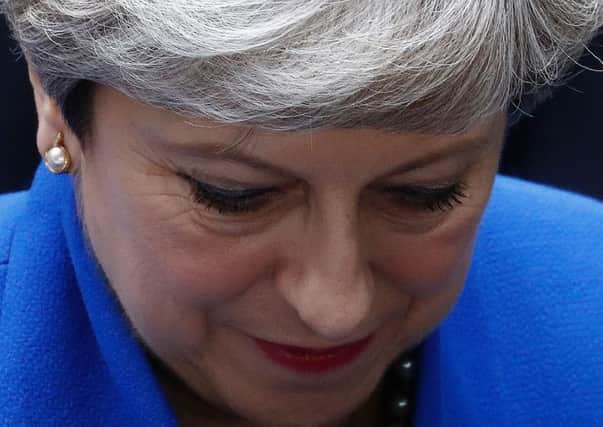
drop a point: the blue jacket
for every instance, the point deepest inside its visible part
(522, 347)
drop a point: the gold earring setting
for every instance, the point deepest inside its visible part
(57, 158)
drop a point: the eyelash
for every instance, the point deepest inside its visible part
(238, 201)
(431, 198)
(228, 201)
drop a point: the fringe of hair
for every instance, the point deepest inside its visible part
(434, 66)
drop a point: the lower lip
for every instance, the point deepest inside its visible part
(312, 361)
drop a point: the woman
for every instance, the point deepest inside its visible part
(263, 212)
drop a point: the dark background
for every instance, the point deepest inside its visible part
(17, 118)
(561, 145)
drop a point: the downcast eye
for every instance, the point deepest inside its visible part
(432, 199)
(229, 200)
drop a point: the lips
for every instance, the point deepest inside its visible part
(309, 360)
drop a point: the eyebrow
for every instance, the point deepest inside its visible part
(457, 148)
(216, 151)
(233, 152)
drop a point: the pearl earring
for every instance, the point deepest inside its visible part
(57, 158)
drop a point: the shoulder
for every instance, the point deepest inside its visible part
(540, 202)
(528, 325)
(538, 263)
(539, 248)
(529, 227)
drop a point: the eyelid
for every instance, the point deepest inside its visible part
(222, 184)
(433, 198)
(229, 203)
(422, 190)
(234, 192)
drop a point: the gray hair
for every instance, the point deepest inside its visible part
(418, 65)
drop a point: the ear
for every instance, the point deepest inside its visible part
(51, 122)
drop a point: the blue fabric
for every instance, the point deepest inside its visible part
(524, 344)
(11, 208)
(522, 347)
(67, 357)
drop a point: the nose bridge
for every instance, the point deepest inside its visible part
(333, 289)
(333, 248)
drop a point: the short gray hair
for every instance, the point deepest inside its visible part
(417, 65)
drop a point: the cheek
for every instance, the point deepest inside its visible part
(166, 272)
(424, 266)
(205, 271)
(186, 282)
(431, 270)
(149, 241)
(179, 261)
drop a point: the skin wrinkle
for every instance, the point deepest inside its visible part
(211, 150)
(362, 83)
(190, 290)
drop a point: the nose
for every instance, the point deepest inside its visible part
(330, 284)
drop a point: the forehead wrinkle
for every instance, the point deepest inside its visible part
(237, 147)
(239, 142)
(214, 149)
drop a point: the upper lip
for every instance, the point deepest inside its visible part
(317, 348)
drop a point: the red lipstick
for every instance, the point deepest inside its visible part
(310, 360)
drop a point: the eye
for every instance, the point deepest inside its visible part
(225, 200)
(433, 199)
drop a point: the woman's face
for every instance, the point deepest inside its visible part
(310, 239)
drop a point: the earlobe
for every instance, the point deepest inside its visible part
(57, 145)
(57, 157)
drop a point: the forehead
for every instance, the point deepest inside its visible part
(299, 151)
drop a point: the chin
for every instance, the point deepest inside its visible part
(312, 419)
(303, 411)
